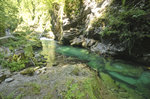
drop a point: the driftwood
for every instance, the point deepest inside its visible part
(6, 37)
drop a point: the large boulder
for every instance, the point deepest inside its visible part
(68, 35)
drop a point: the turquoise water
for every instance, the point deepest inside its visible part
(123, 74)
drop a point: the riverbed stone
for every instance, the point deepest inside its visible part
(9, 80)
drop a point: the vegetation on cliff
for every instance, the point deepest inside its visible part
(127, 21)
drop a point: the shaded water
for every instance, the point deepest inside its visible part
(123, 74)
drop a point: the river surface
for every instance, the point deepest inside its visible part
(134, 78)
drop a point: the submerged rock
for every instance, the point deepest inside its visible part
(126, 79)
(124, 69)
(145, 79)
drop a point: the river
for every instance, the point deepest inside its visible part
(134, 78)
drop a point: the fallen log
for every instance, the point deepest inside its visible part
(6, 37)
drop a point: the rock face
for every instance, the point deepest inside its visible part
(80, 31)
(56, 14)
(83, 28)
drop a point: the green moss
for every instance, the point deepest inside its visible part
(75, 71)
(72, 7)
(73, 91)
(87, 89)
(10, 96)
(30, 88)
(48, 96)
(107, 80)
(126, 21)
(27, 71)
(91, 88)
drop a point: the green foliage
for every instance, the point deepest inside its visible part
(72, 7)
(30, 88)
(85, 89)
(27, 71)
(92, 88)
(128, 23)
(10, 96)
(8, 17)
(34, 88)
(15, 65)
(20, 61)
(123, 2)
(73, 91)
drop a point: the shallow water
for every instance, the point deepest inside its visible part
(122, 74)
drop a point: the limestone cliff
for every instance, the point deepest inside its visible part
(108, 27)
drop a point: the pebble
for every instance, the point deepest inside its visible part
(9, 80)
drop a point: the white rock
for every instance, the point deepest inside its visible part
(9, 80)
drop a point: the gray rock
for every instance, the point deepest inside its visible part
(37, 72)
(9, 80)
(69, 35)
(43, 70)
(108, 48)
(7, 73)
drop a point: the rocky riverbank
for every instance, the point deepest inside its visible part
(67, 78)
(70, 78)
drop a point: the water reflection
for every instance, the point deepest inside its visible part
(48, 50)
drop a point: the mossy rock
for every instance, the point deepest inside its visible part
(88, 88)
(75, 71)
(2, 77)
(28, 71)
(107, 80)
